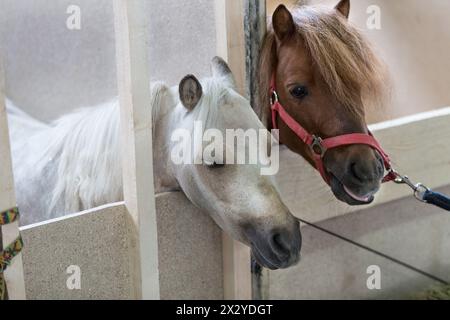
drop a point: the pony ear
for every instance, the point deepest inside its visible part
(283, 23)
(190, 91)
(343, 7)
(220, 69)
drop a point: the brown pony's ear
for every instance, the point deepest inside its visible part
(190, 91)
(283, 23)
(343, 7)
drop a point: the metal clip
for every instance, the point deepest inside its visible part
(418, 188)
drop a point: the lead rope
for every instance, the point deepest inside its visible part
(376, 252)
(423, 193)
(12, 250)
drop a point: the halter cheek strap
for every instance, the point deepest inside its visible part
(320, 146)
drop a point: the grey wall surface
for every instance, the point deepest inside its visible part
(189, 250)
(415, 233)
(51, 70)
(100, 243)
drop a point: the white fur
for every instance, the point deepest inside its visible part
(74, 163)
(68, 166)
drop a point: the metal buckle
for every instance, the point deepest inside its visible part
(317, 146)
(273, 97)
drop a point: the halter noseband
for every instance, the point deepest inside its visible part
(320, 146)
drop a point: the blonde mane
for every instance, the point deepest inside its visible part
(344, 58)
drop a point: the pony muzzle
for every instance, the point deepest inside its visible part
(278, 248)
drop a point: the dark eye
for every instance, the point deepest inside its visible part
(299, 92)
(216, 165)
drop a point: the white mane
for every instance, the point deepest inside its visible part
(89, 170)
(84, 146)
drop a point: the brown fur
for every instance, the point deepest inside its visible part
(341, 55)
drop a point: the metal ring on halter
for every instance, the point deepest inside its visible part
(317, 146)
(273, 97)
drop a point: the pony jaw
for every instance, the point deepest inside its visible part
(343, 193)
(365, 198)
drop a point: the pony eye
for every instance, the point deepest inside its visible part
(216, 165)
(299, 92)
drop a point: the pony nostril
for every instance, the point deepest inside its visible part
(356, 172)
(366, 172)
(280, 245)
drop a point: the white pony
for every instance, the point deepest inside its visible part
(75, 164)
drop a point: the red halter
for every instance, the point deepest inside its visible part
(320, 146)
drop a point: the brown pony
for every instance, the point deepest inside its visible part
(326, 74)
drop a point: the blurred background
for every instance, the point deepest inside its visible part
(51, 70)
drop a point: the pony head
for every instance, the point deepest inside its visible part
(241, 200)
(326, 75)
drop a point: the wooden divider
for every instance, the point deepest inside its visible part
(231, 47)
(255, 27)
(131, 30)
(8, 233)
(240, 27)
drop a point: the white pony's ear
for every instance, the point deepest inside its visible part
(190, 91)
(220, 69)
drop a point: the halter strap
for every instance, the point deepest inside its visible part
(320, 146)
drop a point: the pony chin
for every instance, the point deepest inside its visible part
(341, 192)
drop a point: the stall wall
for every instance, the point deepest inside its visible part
(99, 243)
